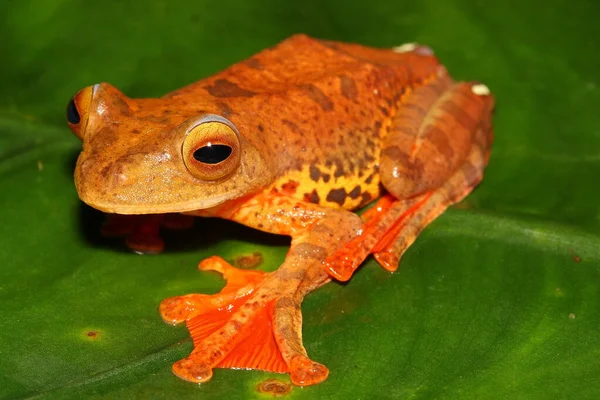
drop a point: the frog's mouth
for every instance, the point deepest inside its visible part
(142, 183)
(126, 208)
(122, 190)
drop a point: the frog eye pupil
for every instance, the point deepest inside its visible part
(213, 153)
(72, 113)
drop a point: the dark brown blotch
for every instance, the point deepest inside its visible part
(315, 173)
(337, 196)
(290, 187)
(339, 168)
(365, 199)
(225, 110)
(254, 64)
(354, 193)
(275, 387)
(348, 87)
(292, 126)
(312, 197)
(439, 139)
(223, 88)
(318, 96)
(396, 154)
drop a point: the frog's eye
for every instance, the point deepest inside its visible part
(78, 110)
(211, 149)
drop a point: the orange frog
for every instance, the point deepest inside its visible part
(288, 141)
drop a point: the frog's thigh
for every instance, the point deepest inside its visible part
(463, 113)
(431, 136)
(421, 188)
(413, 215)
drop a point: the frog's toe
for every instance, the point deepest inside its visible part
(141, 231)
(305, 372)
(193, 370)
(389, 259)
(143, 243)
(178, 309)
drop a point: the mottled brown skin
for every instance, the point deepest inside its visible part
(323, 128)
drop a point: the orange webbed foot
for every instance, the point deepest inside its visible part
(249, 324)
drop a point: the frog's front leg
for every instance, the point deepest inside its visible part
(255, 321)
(142, 232)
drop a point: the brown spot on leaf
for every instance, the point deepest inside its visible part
(337, 196)
(223, 88)
(248, 261)
(317, 95)
(274, 387)
(348, 87)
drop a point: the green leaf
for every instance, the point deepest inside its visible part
(496, 299)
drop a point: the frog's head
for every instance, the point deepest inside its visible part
(147, 156)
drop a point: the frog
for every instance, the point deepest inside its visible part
(293, 141)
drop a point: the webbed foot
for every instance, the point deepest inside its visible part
(254, 322)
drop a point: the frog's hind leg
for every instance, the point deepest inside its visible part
(427, 207)
(422, 181)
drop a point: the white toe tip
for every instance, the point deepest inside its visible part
(406, 47)
(480, 89)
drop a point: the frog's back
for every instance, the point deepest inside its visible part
(318, 109)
